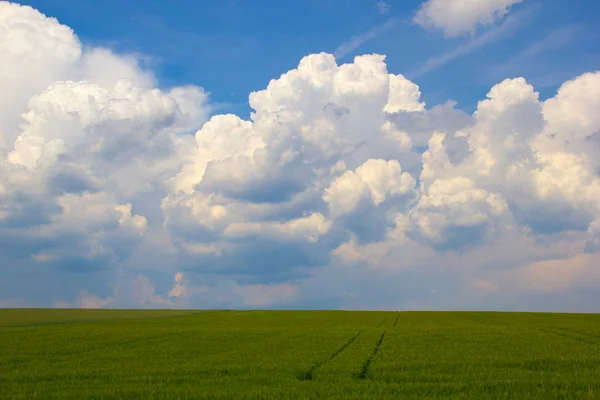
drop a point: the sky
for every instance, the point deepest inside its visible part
(331, 154)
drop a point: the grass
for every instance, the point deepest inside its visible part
(101, 354)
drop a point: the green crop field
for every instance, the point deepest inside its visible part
(98, 354)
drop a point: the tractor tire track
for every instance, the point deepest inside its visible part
(575, 332)
(569, 337)
(365, 368)
(396, 321)
(383, 322)
(308, 374)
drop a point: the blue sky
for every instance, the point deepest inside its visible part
(234, 47)
(417, 154)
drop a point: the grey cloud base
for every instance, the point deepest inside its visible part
(343, 190)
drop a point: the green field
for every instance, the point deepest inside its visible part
(99, 354)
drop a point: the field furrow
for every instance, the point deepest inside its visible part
(569, 336)
(595, 336)
(349, 364)
(383, 322)
(396, 320)
(308, 374)
(365, 368)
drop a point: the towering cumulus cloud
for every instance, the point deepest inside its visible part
(343, 189)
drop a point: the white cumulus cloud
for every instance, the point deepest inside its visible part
(457, 17)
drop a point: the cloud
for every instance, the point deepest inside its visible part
(453, 213)
(87, 300)
(36, 51)
(265, 295)
(375, 179)
(82, 136)
(178, 290)
(576, 272)
(342, 190)
(134, 292)
(307, 228)
(383, 7)
(456, 17)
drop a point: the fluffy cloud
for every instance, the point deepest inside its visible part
(453, 213)
(36, 51)
(136, 292)
(456, 17)
(343, 189)
(572, 124)
(83, 138)
(375, 179)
